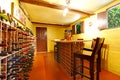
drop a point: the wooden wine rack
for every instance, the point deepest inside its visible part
(16, 52)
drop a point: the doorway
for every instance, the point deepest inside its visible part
(41, 34)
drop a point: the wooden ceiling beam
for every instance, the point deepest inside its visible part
(67, 25)
(46, 4)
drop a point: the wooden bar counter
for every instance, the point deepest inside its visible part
(64, 53)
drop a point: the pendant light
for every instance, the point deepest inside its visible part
(66, 10)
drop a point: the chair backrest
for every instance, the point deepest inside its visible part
(97, 48)
(93, 43)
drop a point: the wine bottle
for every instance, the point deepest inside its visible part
(2, 76)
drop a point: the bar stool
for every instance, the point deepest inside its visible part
(95, 56)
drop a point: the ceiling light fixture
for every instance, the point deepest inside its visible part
(66, 10)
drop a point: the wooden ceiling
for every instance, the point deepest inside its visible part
(47, 4)
(49, 11)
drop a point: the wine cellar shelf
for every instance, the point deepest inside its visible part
(16, 52)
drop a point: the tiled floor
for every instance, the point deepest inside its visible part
(46, 68)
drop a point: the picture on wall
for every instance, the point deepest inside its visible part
(18, 13)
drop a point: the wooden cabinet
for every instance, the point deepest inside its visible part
(65, 51)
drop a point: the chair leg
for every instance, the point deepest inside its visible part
(98, 70)
(74, 69)
(82, 71)
(92, 70)
(99, 62)
(97, 76)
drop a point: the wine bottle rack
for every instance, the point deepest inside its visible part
(16, 52)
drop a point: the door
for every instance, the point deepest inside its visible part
(41, 34)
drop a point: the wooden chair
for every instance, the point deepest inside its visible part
(92, 46)
(95, 56)
(90, 50)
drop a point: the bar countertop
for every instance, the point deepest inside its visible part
(69, 41)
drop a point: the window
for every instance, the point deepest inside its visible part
(113, 15)
(78, 28)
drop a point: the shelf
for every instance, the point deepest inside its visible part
(16, 50)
